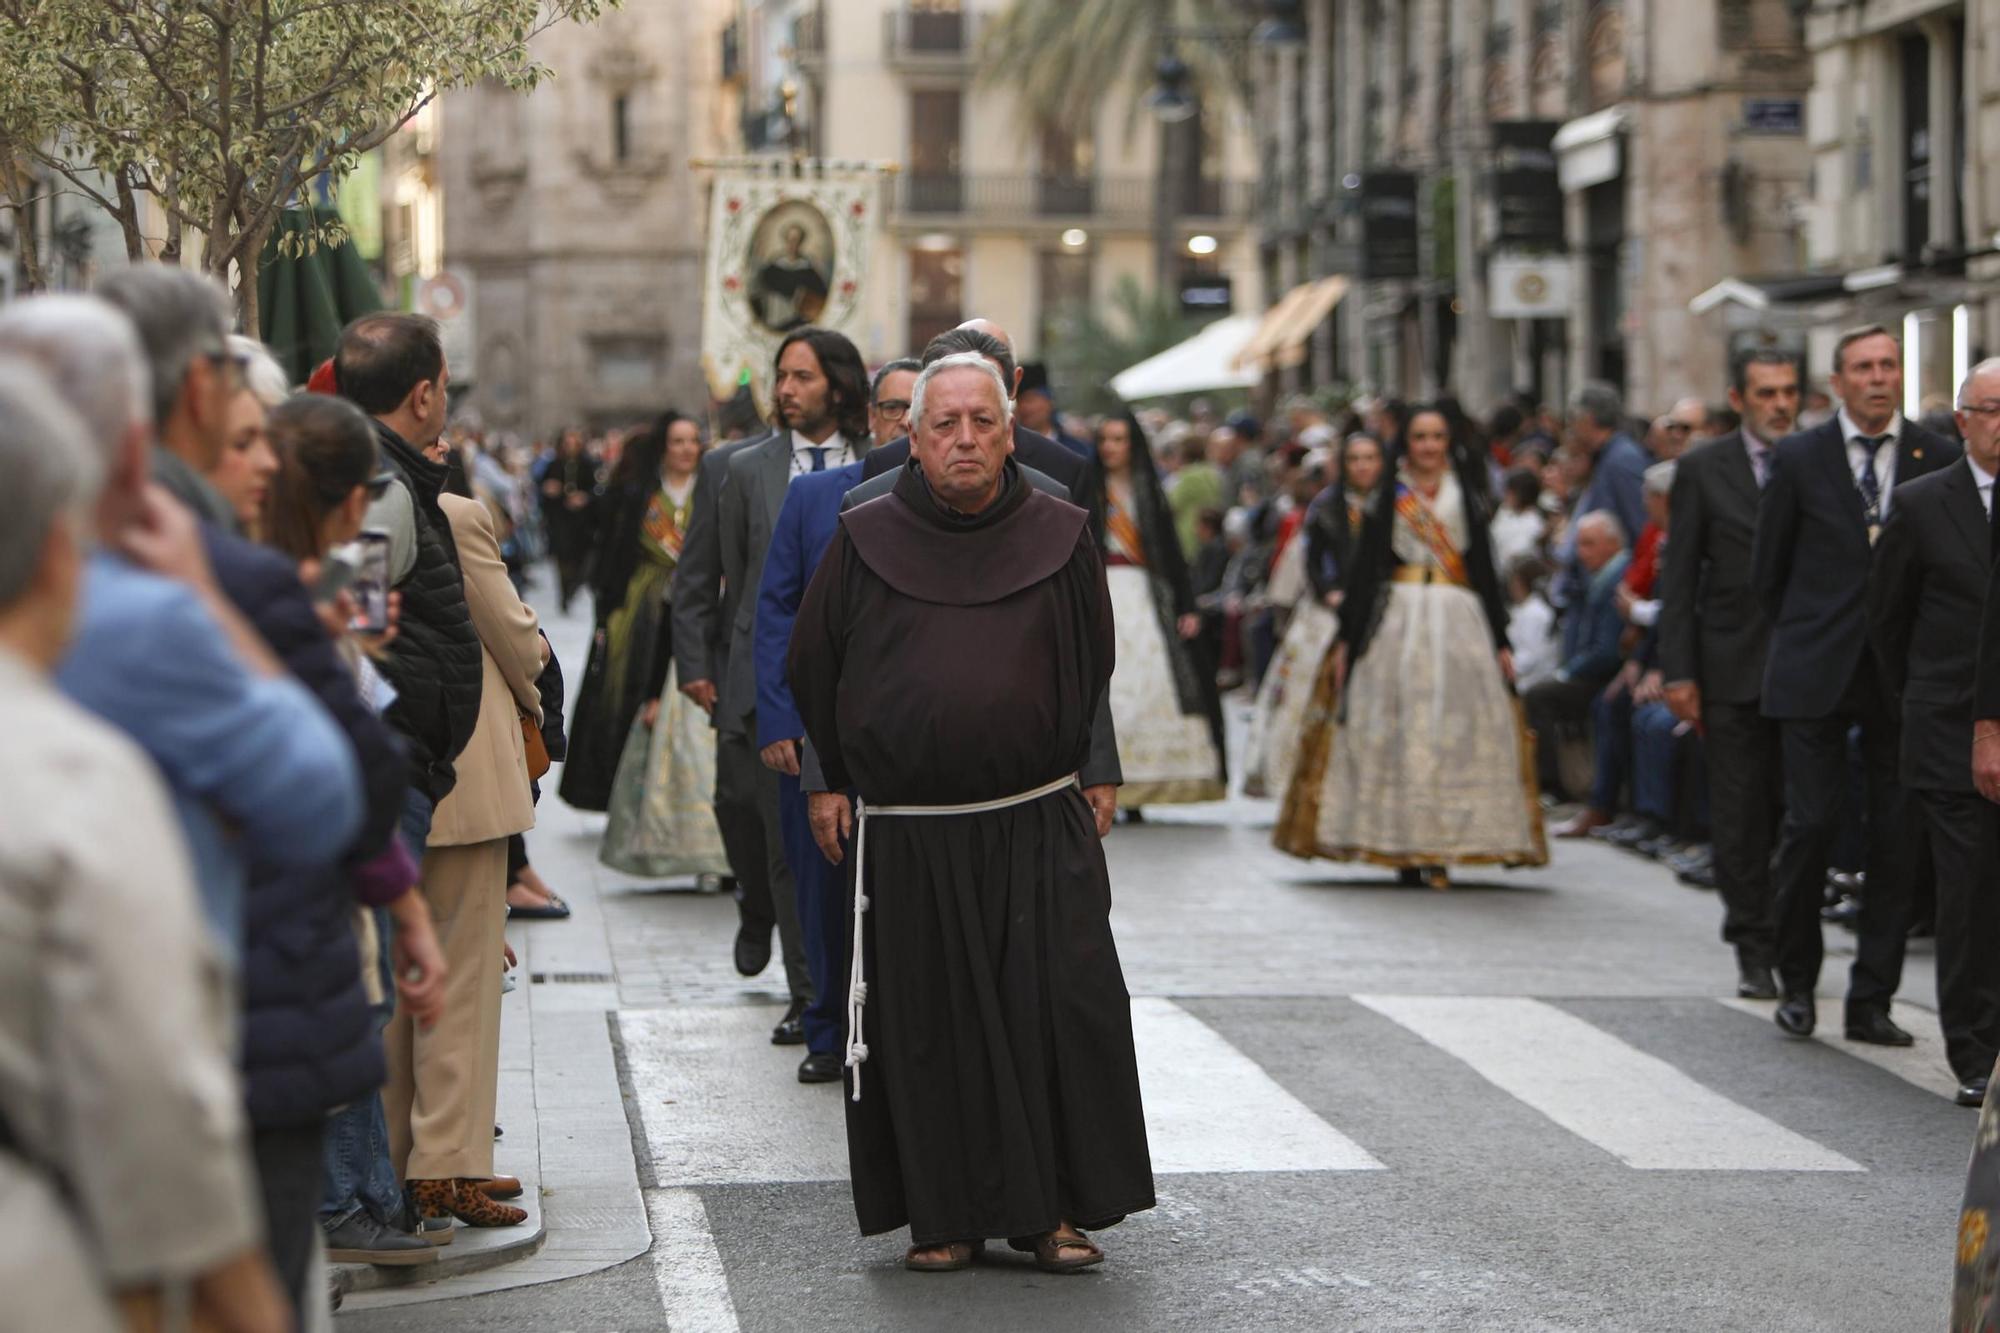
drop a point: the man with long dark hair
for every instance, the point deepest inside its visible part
(820, 420)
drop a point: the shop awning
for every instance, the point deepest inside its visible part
(1204, 362)
(1286, 327)
(1587, 149)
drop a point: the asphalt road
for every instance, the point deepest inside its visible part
(1525, 1103)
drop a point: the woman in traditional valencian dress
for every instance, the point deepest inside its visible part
(1164, 703)
(1332, 526)
(1416, 754)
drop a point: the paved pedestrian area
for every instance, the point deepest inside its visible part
(1524, 1103)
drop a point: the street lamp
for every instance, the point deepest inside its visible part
(1170, 101)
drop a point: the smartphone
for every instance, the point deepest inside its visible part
(371, 583)
(336, 572)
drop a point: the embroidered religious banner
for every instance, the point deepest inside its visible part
(788, 246)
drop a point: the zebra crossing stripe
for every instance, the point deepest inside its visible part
(1635, 1106)
(694, 1288)
(1209, 1107)
(1923, 1064)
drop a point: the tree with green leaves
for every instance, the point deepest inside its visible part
(223, 111)
(1062, 58)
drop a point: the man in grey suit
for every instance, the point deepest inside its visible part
(1714, 637)
(820, 410)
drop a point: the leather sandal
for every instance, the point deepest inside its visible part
(959, 1256)
(1050, 1250)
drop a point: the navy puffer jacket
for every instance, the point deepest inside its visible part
(309, 1038)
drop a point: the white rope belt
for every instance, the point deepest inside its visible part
(857, 985)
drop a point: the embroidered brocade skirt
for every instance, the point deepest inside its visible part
(1284, 698)
(1168, 756)
(663, 799)
(1433, 764)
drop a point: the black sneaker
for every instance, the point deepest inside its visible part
(359, 1239)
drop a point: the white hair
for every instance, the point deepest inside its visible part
(1604, 518)
(1990, 366)
(959, 361)
(91, 356)
(1659, 478)
(50, 467)
(262, 375)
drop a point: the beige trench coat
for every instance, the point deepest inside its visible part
(492, 798)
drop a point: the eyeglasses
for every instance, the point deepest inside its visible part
(1679, 428)
(1981, 409)
(893, 407)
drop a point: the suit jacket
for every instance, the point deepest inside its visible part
(1925, 595)
(702, 604)
(492, 798)
(806, 524)
(1102, 768)
(1591, 631)
(753, 493)
(1712, 629)
(1039, 452)
(1811, 560)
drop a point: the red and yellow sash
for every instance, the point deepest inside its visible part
(662, 525)
(1430, 530)
(1123, 534)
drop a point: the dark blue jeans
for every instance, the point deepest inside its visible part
(1653, 746)
(358, 1170)
(1611, 736)
(822, 900)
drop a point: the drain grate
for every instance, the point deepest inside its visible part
(569, 978)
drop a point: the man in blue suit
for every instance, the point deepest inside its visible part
(805, 527)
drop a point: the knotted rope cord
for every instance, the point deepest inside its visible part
(857, 986)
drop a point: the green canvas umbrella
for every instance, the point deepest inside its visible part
(304, 302)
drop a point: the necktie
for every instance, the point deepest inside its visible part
(1871, 486)
(1760, 464)
(819, 457)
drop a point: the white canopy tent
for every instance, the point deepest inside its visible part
(1204, 362)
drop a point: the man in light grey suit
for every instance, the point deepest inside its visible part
(820, 402)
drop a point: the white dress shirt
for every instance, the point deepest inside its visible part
(838, 453)
(1984, 479)
(1885, 455)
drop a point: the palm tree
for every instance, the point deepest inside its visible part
(1062, 58)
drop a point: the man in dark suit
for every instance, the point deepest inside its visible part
(1713, 638)
(703, 609)
(1831, 489)
(820, 397)
(1925, 596)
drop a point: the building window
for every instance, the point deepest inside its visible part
(629, 365)
(937, 294)
(935, 149)
(1068, 163)
(621, 128)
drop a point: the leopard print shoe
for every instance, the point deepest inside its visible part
(464, 1200)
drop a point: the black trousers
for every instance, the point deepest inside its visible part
(1963, 830)
(1742, 749)
(1815, 765)
(291, 1177)
(746, 810)
(1551, 705)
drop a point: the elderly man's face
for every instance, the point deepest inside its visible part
(1595, 546)
(962, 441)
(1979, 420)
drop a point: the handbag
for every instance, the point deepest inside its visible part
(535, 749)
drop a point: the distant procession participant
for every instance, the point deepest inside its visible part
(1427, 764)
(1163, 697)
(951, 651)
(1332, 527)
